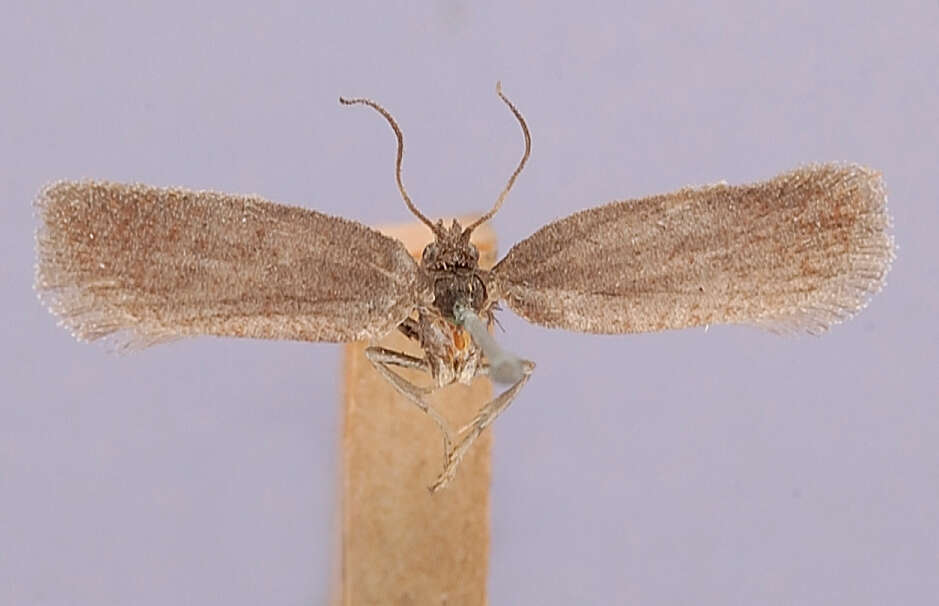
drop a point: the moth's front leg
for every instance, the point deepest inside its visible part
(382, 359)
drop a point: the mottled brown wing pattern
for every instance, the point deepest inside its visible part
(796, 253)
(145, 264)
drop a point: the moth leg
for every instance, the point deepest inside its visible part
(486, 415)
(382, 358)
(490, 411)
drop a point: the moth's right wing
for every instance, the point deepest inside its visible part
(145, 265)
(796, 253)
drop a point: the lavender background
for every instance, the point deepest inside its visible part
(727, 467)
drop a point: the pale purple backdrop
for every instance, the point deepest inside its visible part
(722, 467)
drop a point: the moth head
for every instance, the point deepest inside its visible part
(451, 249)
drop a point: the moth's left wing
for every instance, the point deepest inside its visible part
(145, 264)
(799, 252)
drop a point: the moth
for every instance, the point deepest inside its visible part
(144, 265)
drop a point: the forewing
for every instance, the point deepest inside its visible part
(799, 252)
(148, 264)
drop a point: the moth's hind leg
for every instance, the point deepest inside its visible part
(486, 415)
(382, 359)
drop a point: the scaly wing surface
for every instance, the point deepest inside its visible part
(796, 253)
(144, 265)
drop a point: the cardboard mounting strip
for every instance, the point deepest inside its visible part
(400, 544)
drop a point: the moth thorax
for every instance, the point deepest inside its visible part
(465, 288)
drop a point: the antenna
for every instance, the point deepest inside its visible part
(394, 126)
(521, 165)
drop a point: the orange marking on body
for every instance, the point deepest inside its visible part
(460, 340)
